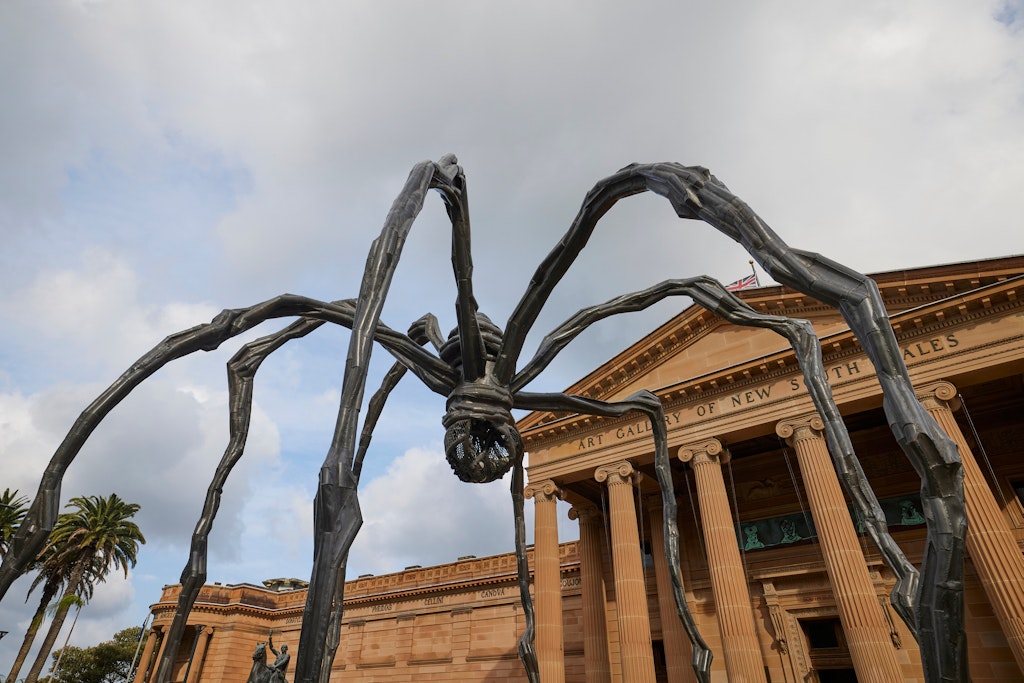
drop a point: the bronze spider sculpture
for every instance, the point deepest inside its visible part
(475, 368)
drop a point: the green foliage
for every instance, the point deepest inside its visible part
(98, 533)
(85, 544)
(12, 510)
(108, 662)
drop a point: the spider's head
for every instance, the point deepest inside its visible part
(480, 439)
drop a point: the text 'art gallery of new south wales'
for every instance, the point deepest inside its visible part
(782, 581)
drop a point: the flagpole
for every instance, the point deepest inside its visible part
(757, 280)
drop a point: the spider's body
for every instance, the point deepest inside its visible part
(480, 438)
(476, 369)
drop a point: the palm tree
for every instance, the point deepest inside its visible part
(52, 576)
(12, 510)
(92, 539)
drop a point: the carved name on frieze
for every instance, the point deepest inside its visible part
(766, 392)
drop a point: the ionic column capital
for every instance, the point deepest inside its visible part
(617, 473)
(800, 428)
(586, 512)
(545, 491)
(700, 452)
(938, 396)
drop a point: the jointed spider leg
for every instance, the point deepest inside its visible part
(336, 514)
(527, 653)
(934, 456)
(241, 373)
(422, 331)
(42, 514)
(694, 193)
(456, 201)
(800, 334)
(650, 405)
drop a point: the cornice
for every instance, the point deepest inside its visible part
(991, 300)
(901, 290)
(389, 586)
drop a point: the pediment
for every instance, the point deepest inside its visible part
(697, 344)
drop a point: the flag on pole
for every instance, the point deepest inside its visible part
(742, 283)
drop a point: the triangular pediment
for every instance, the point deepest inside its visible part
(698, 349)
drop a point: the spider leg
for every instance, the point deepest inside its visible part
(336, 514)
(32, 533)
(694, 193)
(422, 331)
(527, 653)
(456, 201)
(713, 296)
(931, 452)
(241, 373)
(649, 404)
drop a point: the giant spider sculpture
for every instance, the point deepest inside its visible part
(475, 368)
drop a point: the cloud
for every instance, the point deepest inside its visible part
(418, 512)
(164, 162)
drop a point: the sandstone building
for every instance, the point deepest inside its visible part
(782, 583)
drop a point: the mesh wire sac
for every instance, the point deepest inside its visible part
(478, 451)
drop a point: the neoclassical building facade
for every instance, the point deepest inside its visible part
(781, 580)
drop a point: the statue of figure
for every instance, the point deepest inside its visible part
(909, 514)
(280, 665)
(752, 542)
(260, 671)
(789, 534)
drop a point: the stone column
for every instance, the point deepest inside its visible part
(866, 631)
(990, 543)
(740, 648)
(147, 654)
(678, 650)
(630, 593)
(547, 581)
(159, 655)
(595, 635)
(199, 656)
(192, 653)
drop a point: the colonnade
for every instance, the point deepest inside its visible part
(990, 542)
(146, 666)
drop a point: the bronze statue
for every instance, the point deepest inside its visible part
(476, 369)
(261, 672)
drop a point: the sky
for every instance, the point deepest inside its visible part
(162, 161)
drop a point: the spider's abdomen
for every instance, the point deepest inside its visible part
(480, 438)
(479, 451)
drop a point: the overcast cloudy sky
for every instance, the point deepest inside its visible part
(162, 161)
